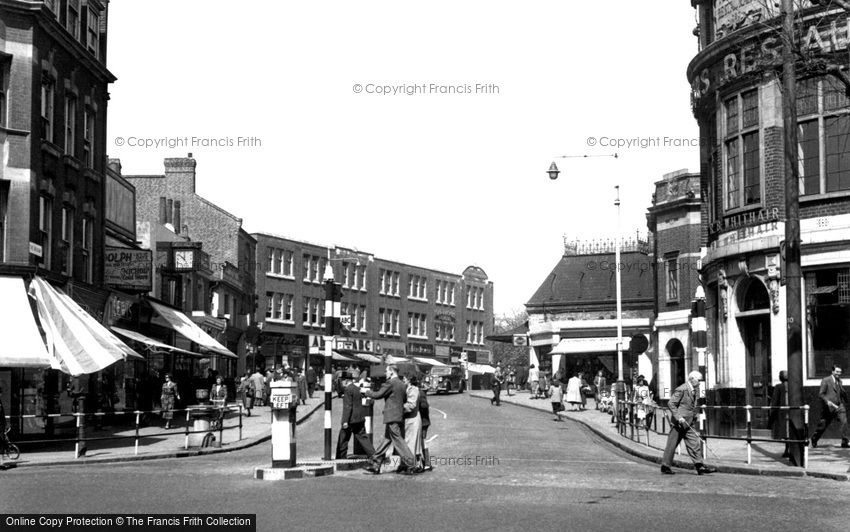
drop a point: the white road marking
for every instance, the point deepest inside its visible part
(440, 411)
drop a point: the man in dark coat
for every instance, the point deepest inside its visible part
(394, 393)
(833, 406)
(311, 381)
(683, 417)
(353, 420)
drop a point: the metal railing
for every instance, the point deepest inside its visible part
(218, 415)
(628, 421)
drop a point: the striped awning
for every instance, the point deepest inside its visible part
(429, 361)
(150, 342)
(368, 358)
(174, 319)
(22, 345)
(78, 343)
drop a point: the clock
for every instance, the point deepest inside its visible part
(184, 259)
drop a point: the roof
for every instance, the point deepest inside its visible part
(583, 280)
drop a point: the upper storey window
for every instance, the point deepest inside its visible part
(823, 136)
(742, 156)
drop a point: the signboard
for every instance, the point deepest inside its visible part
(420, 349)
(35, 249)
(354, 344)
(281, 400)
(520, 340)
(129, 269)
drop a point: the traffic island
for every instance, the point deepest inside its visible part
(306, 469)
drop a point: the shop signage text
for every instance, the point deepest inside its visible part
(420, 349)
(745, 220)
(129, 269)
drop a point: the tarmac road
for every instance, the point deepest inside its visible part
(506, 467)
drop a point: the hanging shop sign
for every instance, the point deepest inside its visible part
(128, 269)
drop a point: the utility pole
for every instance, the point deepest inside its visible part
(792, 271)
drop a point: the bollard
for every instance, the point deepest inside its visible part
(283, 403)
(806, 436)
(240, 421)
(186, 445)
(748, 409)
(702, 432)
(80, 446)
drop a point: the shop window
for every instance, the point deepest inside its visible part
(827, 294)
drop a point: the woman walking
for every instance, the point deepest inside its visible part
(574, 392)
(168, 398)
(413, 421)
(246, 388)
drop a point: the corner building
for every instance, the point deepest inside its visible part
(737, 100)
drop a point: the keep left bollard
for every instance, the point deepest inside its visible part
(283, 405)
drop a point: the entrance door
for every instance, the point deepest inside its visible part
(676, 351)
(755, 331)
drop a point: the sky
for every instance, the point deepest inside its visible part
(419, 132)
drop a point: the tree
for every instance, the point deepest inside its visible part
(508, 353)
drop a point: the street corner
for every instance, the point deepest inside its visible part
(304, 470)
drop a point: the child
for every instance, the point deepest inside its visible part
(556, 396)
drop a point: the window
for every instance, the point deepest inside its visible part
(70, 124)
(823, 136)
(390, 282)
(312, 314)
(671, 266)
(389, 322)
(48, 89)
(4, 205)
(93, 26)
(742, 153)
(67, 241)
(827, 294)
(72, 20)
(417, 325)
(88, 137)
(87, 245)
(270, 263)
(417, 287)
(45, 228)
(270, 306)
(347, 275)
(286, 268)
(306, 268)
(444, 331)
(360, 277)
(287, 303)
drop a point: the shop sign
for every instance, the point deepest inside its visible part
(128, 269)
(355, 344)
(444, 318)
(764, 52)
(420, 349)
(746, 220)
(747, 233)
(733, 15)
(35, 249)
(520, 340)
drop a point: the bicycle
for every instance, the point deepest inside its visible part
(8, 448)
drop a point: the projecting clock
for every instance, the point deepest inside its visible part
(184, 259)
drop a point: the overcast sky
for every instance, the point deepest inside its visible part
(434, 179)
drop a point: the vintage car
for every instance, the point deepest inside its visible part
(447, 379)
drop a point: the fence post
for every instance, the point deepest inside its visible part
(240, 421)
(702, 432)
(631, 420)
(806, 436)
(221, 426)
(80, 445)
(748, 409)
(186, 445)
(138, 414)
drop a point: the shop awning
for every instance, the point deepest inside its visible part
(396, 360)
(339, 357)
(368, 358)
(429, 361)
(181, 323)
(22, 345)
(78, 342)
(480, 369)
(568, 346)
(138, 337)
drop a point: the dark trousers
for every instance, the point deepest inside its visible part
(497, 391)
(393, 437)
(311, 387)
(826, 417)
(358, 430)
(692, 443)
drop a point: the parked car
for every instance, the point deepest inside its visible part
(447, 379)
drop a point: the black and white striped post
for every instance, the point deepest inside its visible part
(698, 330)
(333, 295)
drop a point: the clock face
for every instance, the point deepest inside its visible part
(184, 259)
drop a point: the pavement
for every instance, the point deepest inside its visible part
(827, 461)
(155, 442)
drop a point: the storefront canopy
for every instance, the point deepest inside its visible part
(22, 345)
(368, 358)
(181, 323)
(396, 360)
(79, 344)
(429, 361)
(480, 369)
(150, 342)
(569, 346)
(339, 357)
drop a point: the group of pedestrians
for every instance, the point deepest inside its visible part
(406, 418)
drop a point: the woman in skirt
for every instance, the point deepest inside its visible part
(168, 398)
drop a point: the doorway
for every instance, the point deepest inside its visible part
(676, 351)
(754, 325)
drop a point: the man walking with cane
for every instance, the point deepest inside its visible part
(683, 417)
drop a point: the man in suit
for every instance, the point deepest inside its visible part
(496, 385)
(833, 405)
(311, 381)
(353, 420)
(683, 417)
(394, 393)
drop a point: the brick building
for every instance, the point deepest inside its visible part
(203, 259)
(572, 317)
(392, 308)
(53, 102)
(737, 101)
(675, 221)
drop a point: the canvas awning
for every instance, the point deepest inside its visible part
(79, 344)
(174, 319)
(138, 337)
(390, 359)
(368, 358)
(22, 345)
(480, 369)
(429, 361)
(339, 357)
(569, 346)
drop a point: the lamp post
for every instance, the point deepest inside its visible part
(333, 295)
